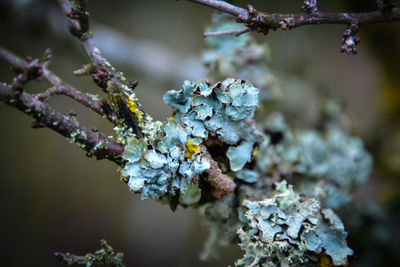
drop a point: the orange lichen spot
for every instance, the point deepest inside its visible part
(191, 149)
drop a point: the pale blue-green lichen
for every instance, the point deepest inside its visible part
(239, 56)
(94, 97)
(286, 230)
(74, 140)
(161, 168)
(225, 108)
(168, 158)
(327, 165)
(281, 153)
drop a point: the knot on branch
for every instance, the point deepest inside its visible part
(385, 5)
(252, 20)
(309, 6)
(32, 71)
(79, 18)
(102, 76)
(350, 40)
(287, 23)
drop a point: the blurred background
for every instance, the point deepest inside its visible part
(53, 198)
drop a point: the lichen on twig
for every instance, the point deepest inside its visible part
(103, 256)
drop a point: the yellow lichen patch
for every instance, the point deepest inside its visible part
(191, 149)
(324, 260)
(134, 109)
(255, 152)
(132, 105)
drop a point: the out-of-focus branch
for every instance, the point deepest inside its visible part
(232, 32)
(263, 22)
(93, 142)
(170, 65)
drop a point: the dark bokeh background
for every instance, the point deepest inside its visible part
(53, 198)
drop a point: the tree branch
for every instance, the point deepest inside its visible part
(94, 143)
(103, 73)
(273, 21)
(263, 22)
(103, 256)
(59, 88)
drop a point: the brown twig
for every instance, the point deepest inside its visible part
(263, 22)
(103, 73)
(59, 87)
(220, 183)
(273, 21)
(94, 143)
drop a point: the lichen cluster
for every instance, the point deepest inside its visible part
(160, 166)
(286, 230)
(239, 56)
(165, 162)
(279, 224)
(327, 165)
(104, 256)
(213, 126)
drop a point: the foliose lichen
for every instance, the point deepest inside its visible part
(288, 230)
(239, 56)
(327, 165)
(168, 158)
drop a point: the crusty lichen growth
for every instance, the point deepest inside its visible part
(104, 256)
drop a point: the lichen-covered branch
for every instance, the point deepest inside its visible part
(94, 143)
(129, 111)
(103, 256)
(263, 22)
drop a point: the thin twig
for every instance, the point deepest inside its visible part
(264, 22)
(59, 87)
(103, 73)
(94, 143)
(222, 6)
(63, 88)
(16, 62)
(231, 32)
(273, 21)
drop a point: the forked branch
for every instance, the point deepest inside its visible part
(264, 22)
